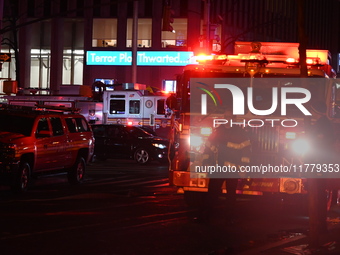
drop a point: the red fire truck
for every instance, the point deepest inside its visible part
(277, 140)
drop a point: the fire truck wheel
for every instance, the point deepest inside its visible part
(21, 179)
(76, 173)
(142, 156)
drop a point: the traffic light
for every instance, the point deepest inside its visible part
(167, 18)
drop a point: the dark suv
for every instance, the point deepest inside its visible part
(37, 141)
(120, 141)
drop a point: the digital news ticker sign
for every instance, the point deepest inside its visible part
(144, 58)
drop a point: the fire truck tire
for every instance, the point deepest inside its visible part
(142, 156)
(21, 179)
(76, 174)
(194, 199)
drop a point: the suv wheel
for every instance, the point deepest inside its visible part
(142, 156)
(21, 179)
(76, 173)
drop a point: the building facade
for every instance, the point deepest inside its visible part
(76, 42)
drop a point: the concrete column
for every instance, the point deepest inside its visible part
(335, 42)
(25, 33)
(156, 42)
(57, 46)
(194, 23)
(24, 57)
(88, 27)
(1, 13)
(121, 26)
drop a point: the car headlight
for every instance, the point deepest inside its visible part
(301, 146)
(159, 145)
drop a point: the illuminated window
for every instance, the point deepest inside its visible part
(104, 33)
(215, 36)
(40, 68)
(169, 85)
(144, 33)
(177, 38)
(73, 67)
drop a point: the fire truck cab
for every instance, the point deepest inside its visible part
(272, 141)
(135, 107)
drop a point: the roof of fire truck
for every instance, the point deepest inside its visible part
(270, 58)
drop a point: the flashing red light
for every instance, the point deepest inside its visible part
(203, 57)
(309, 61)
(209, 58)
(291, 60)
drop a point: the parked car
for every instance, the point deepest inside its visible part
(121, 141)
(37, 141)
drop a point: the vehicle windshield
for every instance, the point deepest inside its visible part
(148, 130)
(16, 124)
(138, 132)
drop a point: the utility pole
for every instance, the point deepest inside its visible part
(317, 208)
(302, 39)
(207, 43)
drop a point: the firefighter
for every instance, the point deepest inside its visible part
(228, 145)
(322, 136)
(164, 130)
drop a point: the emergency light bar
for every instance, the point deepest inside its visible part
(221, 59)
(286, 53)
(309, 61)
(203, 58)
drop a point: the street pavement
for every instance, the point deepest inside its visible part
(295, 242)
